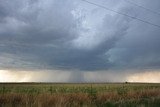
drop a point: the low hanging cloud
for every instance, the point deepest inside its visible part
(78, 37)
(50, 37)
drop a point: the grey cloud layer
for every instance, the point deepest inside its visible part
(139, 49)
(47, 35)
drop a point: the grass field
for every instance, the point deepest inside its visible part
(79, 95)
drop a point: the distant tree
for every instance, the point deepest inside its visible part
(126, 82)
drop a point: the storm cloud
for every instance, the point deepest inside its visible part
(77, 36)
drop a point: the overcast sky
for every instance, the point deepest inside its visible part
(72, 40)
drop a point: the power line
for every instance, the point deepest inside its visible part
(122, 13)
(140, 6)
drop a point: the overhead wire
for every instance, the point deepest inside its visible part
(124, 14)
(140, 6)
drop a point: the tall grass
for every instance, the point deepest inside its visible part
(79, 95)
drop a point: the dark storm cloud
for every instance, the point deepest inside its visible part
(29, 30)
(45, 35)
(139, 49)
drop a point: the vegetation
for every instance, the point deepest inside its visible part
(79, 95)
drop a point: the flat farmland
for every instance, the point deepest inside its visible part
(79, 95)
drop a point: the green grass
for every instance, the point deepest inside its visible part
(79, 95)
